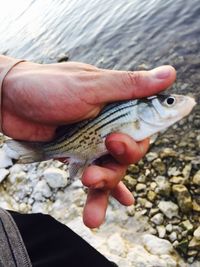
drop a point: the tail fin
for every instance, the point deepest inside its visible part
(24, 152)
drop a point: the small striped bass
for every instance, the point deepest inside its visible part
(82, 143)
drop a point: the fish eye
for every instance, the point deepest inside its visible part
(170, 101)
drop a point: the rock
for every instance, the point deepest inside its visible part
(41, 190)
(194, 244)
(183, 246)
(63, 57)
(56, 178)
(133, 169)
(151, 195)
(186, 171)
(139, 257)
(140, 188)
(16, 177)
(196, 178)
(195, 206)
(159, 166)
(169, 228)
(173, 236)
(130, 182)
(157, 219)
(183, 197)
(168, 208)
(173, 171)
(187, 225)
(153, 186)
(3, 174)
(161, 231)
(197, 233)
(116, 244)
(5, 160)
(177, 180)
(164, 187)
(156, 246)
(168, 152)
(151, 156)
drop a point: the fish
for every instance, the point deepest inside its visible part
(84, 142)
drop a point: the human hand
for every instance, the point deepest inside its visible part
(38, 98)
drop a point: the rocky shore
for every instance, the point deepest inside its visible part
(162, 229)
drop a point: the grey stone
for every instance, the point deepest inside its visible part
(157, 219)
(3, 174)
(55, 177)
(168, 208)
(164, 187)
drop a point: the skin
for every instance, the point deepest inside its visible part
(38, 98)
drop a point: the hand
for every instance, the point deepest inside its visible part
(38, 98)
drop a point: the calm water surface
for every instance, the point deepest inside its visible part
(128, 34)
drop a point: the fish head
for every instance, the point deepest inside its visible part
(156, 113)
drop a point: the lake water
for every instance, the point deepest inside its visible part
(118, 34)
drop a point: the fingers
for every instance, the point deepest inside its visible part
(106, 176)
(95, 207)
(124, 149)
(123, 85)
(97, 202)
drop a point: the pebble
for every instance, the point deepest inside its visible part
(158, 219)
(164, 187)
(5, 160)
(183, 197)
(140, 187)
(56, 178)
(168, 208)
(116, 244)
(159, 166)
(196, 178)
(156, 246)
(197, 233)
(3, 174)
(151, 156)
(41, 190)
(161, 231)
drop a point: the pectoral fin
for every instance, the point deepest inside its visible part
(76, 168)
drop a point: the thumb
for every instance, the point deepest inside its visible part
(124, 85)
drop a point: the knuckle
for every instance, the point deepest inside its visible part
(133, 78)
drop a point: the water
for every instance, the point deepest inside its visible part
(128, 34)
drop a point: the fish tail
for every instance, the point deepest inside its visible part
(24, 152)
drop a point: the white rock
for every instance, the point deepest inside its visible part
(55, 177)
(161, 231)
(39, 207)
(173, 236)
(17, 177)
(151, 156)
(139, 257)
(168, 208)
(170, 261)
(3, 174)
(5, 160)
(116, 244)
(156, 245)
(197, 233)
(41, 190)
(158, 219)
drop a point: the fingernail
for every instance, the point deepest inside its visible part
(117, 147)
(162, 72)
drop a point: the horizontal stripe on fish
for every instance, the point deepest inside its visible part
(103, 117)
(106, 118)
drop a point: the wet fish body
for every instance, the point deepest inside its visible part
(84, 142)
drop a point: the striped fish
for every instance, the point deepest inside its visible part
(84, 142)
